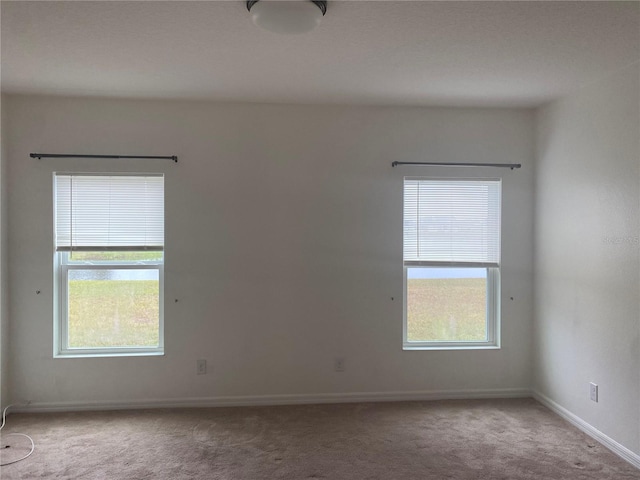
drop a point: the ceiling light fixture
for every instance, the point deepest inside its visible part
(287, 16)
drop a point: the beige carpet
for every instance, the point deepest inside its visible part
(487, 439)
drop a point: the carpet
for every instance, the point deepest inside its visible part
(461, 439)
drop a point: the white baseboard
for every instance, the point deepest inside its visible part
(258, 400)
(615, 447)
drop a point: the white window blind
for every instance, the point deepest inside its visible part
(450, 222)
(109, 212)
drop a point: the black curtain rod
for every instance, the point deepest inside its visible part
(442, 164)
(69, 155)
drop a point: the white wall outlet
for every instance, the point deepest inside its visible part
(339, 364)
(593, 392)
(201, 368)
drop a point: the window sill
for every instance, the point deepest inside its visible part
(86, 354)
(450, 347)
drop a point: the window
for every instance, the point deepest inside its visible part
(108, 265)
(451, 257)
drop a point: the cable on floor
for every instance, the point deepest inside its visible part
(33, 445)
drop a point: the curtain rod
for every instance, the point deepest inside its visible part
(442, 164)
(69, 155)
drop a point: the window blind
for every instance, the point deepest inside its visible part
(109, 212)
(450, 222)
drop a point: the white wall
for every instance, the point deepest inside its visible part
(4, 284)
(283, 246)
(587, 264)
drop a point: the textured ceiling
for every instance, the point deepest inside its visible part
(364, 52)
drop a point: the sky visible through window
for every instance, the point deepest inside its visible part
(431, 272)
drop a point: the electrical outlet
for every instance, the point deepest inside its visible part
(339, 364)
(201, 366)
(593, 392)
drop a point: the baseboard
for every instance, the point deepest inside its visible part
(615, 447)
(264, 400)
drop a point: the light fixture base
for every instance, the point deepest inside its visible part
(287, 16)
(321, 4)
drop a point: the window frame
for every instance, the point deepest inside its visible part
(62, 264)
(61, 344)
(492, 316)
(494, 294)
